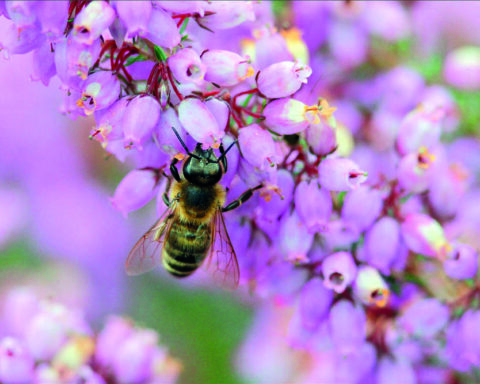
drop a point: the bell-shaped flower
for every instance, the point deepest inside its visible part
(16, 364)
(420, 128)
(340, 174)
(136, 189)
(186, 66)
(51, 15)
(288, 116)
(462, 68)
(269, 47)
(340, 234)
(73, 60)
(109, 122)
(282, 79)
(226, 68)
(321, 138)
(274, 202)
(162, 30)
(140, 118)
(220, 110)
(370, 288)
(382, 242)
(135, 15)
(415, 171)
(22, 13)
(339, 271)
(294, 240)
(92, 20)
(257, 146)
(43, 64)
(200, 122)
(134, 358)
(362, 206)
(315, 301)
(424, 235)
(228, 14)
(313, 205)
(182, 6)
(115, 332)
(461, 262)
(399, 371)
(347, 324)
(100, 90)
(165, 137)
(19, 40)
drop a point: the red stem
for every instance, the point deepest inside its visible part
(172, 82)
(234, 100)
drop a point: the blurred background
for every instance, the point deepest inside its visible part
(60, 234)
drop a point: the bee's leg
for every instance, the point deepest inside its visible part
(224, 158)
(174, 170)
(242, 199)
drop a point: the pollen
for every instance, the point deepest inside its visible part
(425, 158)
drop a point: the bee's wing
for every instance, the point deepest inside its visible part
(222, 261)
(147, 252)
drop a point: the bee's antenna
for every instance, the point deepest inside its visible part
(224, 153)
(183, 144)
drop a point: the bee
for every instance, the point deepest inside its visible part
(191, 232)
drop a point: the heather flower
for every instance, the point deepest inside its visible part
(282, 79)
(314, 205)
(228, 14)
(461, 262)
(139, 120)
(16, 364)
(395, 372)
(462, 68)
(43, 64)
(321, 138)
(135, 190)
(362, 206)
(226, 68)
(109, 123)
(294, 241)
(257, 146)
(424, 318)
(161, 29)
(134, 15)
(315, 301)
(181, 6)
(340, 174)
(18, 41)
(100, 90)
(269, 47)
(92, 21)
(370, 288)
(339, 271)
(186, 66)
(424, 235)
(414, 171)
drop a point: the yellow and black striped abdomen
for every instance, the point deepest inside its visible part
(186, 247)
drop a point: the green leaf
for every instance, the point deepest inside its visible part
(160, 54)
(134, 59)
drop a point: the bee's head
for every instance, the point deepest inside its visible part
(202, 167)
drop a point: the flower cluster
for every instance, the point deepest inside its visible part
(45, 342)
(364, 235)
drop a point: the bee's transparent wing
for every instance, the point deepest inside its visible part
(221, 261)
(147, 252)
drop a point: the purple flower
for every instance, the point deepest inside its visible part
(294, 240)
(226, 68)
(135, 190)
(395, 372)
(43, 64)
(339, 271)
(139, 120)
(134, 15)
(424, 318)
(162, 30)
(16, 364)
(415, 169)
(92, 21)
(182, 7)
(282, 79)
(321, 138)
(100, 90)
(424, 235)
(314, 303)
(362, 206)
(186, 66)
(370, 288)
(314, 205)
(228, 14)
(200, 122)
(20, 40)
(257, 146)
(387, 20)
(462, 68)
(461, 262)
(348, 44)
(21, 13)
(462, 349)
(340, 174)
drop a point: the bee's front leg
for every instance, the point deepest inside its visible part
(242, 199)
(174, 170)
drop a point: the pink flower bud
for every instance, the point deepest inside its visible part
(382, 243)
(162, 30)
(362, 206)
(347, 324)
(16, 364)
(286, 116)
(140, 118)
(92, 21)
(339, 271)
(226, 68)
(421, 127)
(282, 79)
(370, 288)
(100, 90)
(199, 121)
(257, 146)
(228, 14)
(461, 262)
(136, 189)
(186, 66)
(314, 205)
(340, 174)
(321, 138)
(135, 15)
(462, 68)
(424, 235)
(294, 240)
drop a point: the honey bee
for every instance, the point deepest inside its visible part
(191, 232)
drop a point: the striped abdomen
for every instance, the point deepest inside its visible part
(186, 247)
